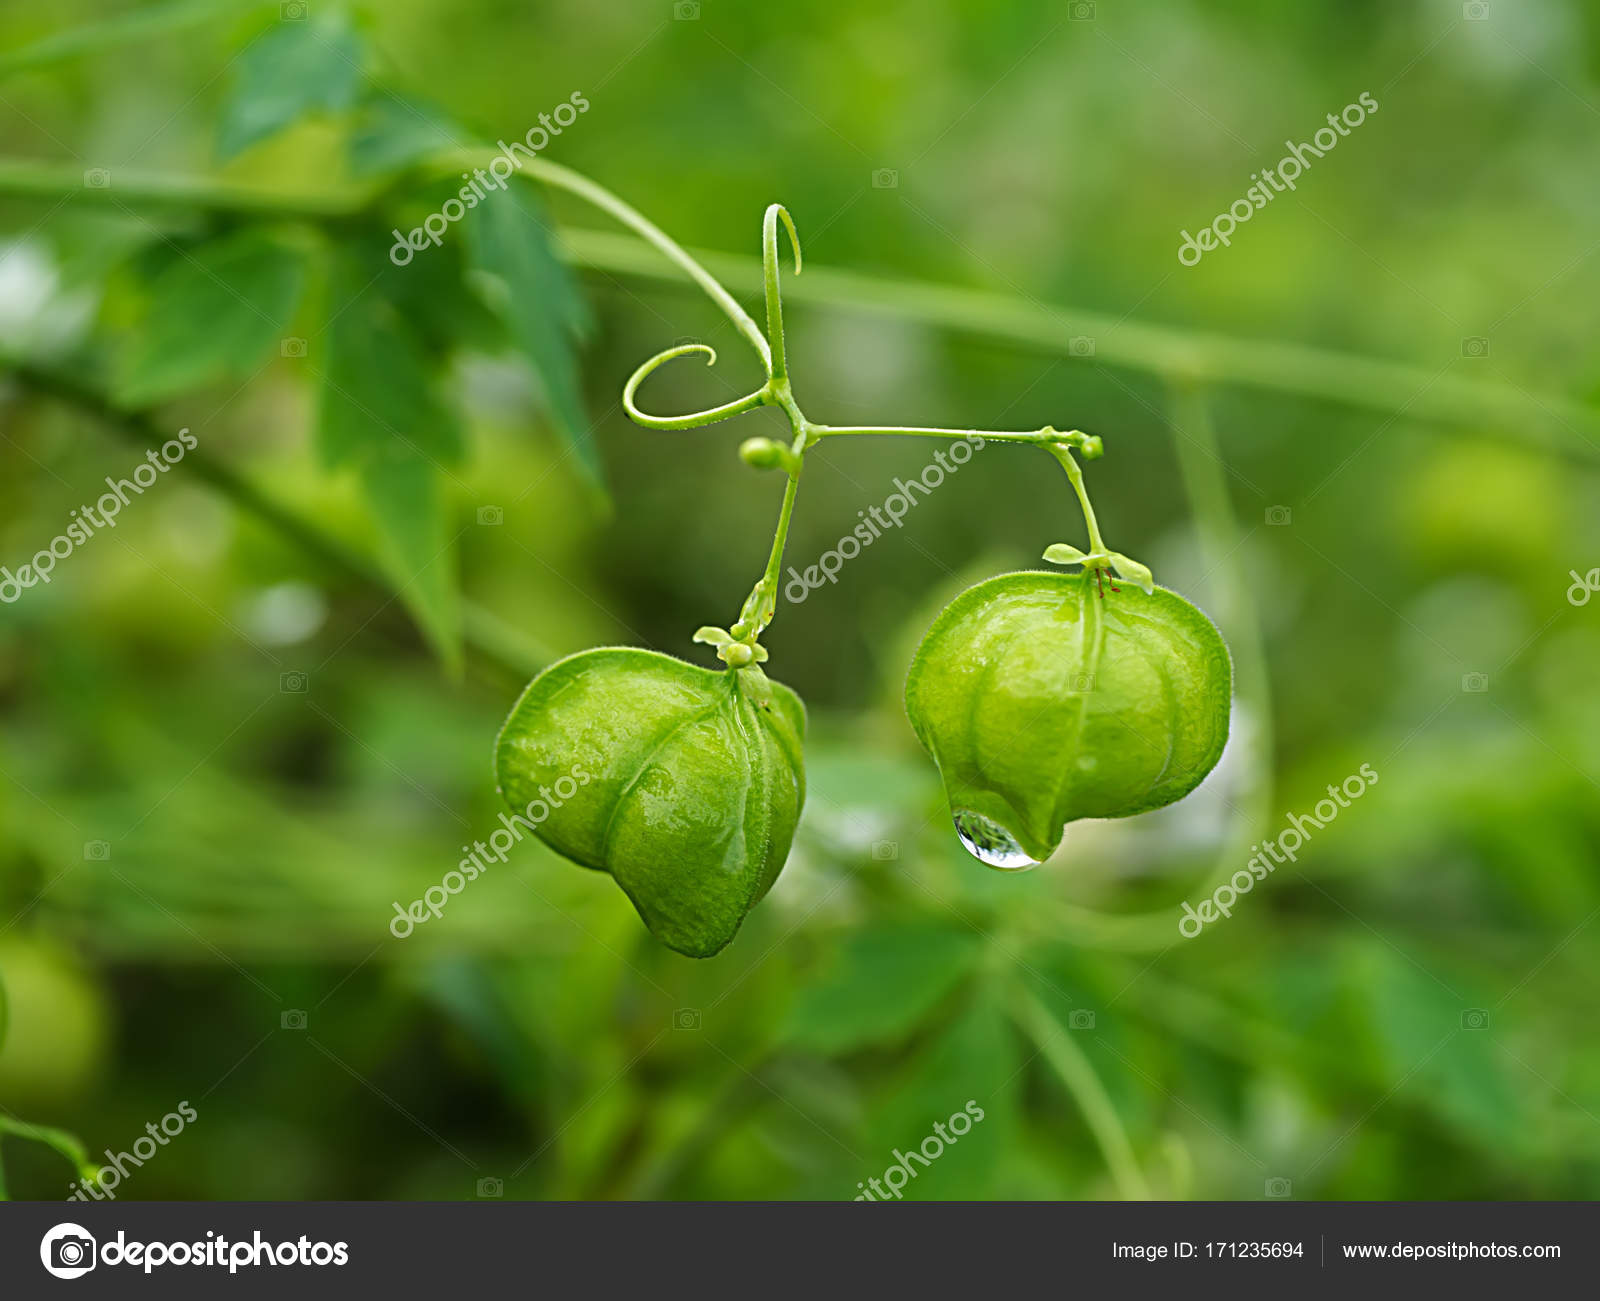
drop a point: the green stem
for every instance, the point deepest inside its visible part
(762, 602)
(1553, 421)
(769, 269)
(1075, 1071)
(996, 435)
(576, 183)
(57, 1140)
(22, 179)
(1097, 544)
(493, 639)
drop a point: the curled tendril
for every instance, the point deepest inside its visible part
(769, 266)
(770, 233)
(695, 418)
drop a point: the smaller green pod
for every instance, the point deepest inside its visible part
(684, 783)
(1043, 700)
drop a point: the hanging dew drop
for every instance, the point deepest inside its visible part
(988, 842)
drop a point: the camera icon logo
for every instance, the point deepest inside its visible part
(686, 11)
(491, 515)
(885, 178)
(1080, 10)
(68, 1251)
(293, 683)
(1477, 346)
(491, 1187)
(1474, 681)
(1475, 11)
(1082, 682)
(1080, 346)
(292, 347)
(1475, 1018)
(97, 178)
(96, 851)
(293, 1019)
(686, 1018)
(292, 11)
(1081, 1019)
(885, 851)
(1279, 1188)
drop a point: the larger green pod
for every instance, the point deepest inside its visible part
(684, 783)
(1043, 700)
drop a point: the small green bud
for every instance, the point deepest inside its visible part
(762, 453)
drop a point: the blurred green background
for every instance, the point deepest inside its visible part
(199, 859)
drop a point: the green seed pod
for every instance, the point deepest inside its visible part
(685, 783)
(1043, 701)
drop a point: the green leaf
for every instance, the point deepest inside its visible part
(407, 502)
(109, 33)
(510, 240)
(1437, 1046)
(393, 130)
(432, 295)
(211, 313)
(1064, 553)
(1134, 572)
(297, 67)
(382, 410)
(974, 1060)
(380, 396)
(880, 987)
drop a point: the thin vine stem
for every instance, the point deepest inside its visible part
(576, 183)
(487, 633)
(1097, 544)
(1551, 420)
(997, 435)
(1066, 1059)
(1201, 467)
(57, 1140)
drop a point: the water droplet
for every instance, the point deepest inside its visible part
(988, 842)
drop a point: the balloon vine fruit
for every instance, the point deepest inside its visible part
(1040, 697)
(695, 782)
(1043, 701)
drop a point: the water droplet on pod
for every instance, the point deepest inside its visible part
(988, 842)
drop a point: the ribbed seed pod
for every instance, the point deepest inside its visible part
(1043, 700)
(689, 782)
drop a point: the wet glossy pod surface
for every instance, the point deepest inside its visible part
(1043, 701)
(689, 782)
